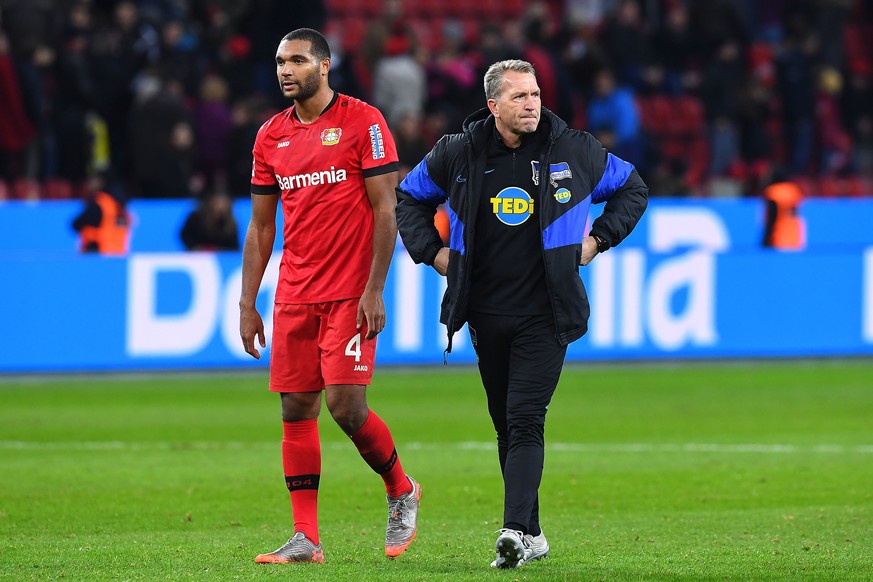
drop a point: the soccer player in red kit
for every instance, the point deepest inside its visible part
(332, 162)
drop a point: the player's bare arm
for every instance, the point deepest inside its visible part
(257, 248)
(380, 191)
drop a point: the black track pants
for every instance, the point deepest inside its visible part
(520, 361)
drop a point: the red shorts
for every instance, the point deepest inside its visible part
(318, 345)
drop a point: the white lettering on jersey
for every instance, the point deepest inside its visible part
(377, 143)
(283, 144)
(331, 176)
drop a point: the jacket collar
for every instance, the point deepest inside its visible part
(479, 126)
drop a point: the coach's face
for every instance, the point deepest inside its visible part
(300, 73)
(517, 109)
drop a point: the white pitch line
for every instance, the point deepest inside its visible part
(631, 448)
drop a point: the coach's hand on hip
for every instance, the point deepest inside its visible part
(589, 250)
(441, 261)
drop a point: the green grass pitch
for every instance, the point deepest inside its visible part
(695, 471)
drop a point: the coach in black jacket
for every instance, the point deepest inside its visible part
(519, 183)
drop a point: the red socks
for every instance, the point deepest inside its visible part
(376, 446)
(301, 460)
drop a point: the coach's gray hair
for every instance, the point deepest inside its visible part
(496, 72)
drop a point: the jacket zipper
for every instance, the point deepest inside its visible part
(545, 170)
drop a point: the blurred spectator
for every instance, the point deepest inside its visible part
(754, 111)
(835, 151)
(715, 22)
(246, 117)
(16, 130)
(613, 108)
(720, 85)
(673, 50)
(161, 140)
(211, 226)
(399, 82)
(626, 39)
(179, 58)
(858, 120)
(668, 179)
(583, 55)
(213, 121)
(343, 73)
(411, 146)
(797, 85)
(442, 222)
(451, 75)
(122, 49)
(104, 223)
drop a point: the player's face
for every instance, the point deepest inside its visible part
(517, 108)
(299, 72)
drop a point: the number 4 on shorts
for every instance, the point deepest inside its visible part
(353, 348)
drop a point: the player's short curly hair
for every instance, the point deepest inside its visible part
(317, 43)
(494, 75)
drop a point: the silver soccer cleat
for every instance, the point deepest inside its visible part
(402, 520)
(297, 549)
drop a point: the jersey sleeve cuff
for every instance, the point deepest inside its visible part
(379, 170)
(265, 190)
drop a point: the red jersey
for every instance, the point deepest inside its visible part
(320, 168)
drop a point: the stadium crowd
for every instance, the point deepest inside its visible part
(163, 98)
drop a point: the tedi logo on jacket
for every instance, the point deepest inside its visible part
(512, 206)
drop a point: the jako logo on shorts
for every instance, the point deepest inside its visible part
(512, 206)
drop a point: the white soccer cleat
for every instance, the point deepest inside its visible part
(512, 549)
(539, 547)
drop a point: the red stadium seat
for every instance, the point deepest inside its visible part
(58, 189)
(26, 189)
(856, 187)
(697, 154)
(689, 115)
(512, 8)
(830, 187)
(459, 9)
(4, 190)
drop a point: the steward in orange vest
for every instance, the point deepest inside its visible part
(103, 226)
(783, 229)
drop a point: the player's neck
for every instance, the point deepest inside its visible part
(311, 109)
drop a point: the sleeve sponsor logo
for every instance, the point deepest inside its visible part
(331, 136)
(377, 144)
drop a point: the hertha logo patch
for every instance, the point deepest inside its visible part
(559, 171)
(331, 136)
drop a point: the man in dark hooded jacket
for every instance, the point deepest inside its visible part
(519, 183)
